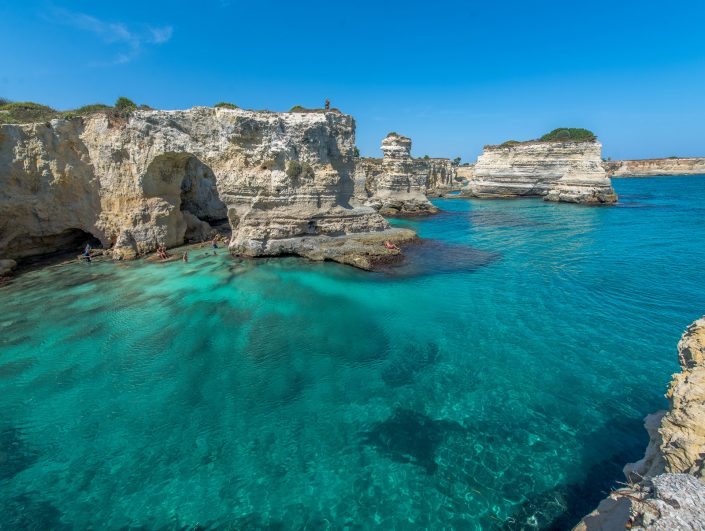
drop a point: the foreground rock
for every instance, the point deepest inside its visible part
(282, 181)
(655, 167)
(397, 184)
(667, 486)
(556, 171)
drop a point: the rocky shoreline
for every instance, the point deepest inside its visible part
(282, 181)
(666, 489)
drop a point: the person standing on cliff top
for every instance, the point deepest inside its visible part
(327, 104)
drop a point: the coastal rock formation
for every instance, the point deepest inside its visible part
(442, 175)
(465, 173)
(654, 167)
(398, 184)
(556, 171)
(283, 181)
(667, 486)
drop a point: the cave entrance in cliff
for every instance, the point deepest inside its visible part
(184, 178)
(60, 246)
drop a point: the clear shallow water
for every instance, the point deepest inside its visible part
(499, 380)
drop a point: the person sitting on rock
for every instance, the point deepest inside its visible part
(86, 254)
(389, 245)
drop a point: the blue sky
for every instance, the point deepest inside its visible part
(451, 75)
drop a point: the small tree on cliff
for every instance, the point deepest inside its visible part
(124, 106)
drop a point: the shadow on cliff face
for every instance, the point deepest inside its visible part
(562, 507)
(429, 257)
(411, 437)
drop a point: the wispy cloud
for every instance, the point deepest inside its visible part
(128, 42)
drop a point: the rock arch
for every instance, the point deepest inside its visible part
(189, 188)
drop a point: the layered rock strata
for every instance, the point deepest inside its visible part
(398, 184)
(284, 181)
(556, 171)
(655, 167)
(667, 487)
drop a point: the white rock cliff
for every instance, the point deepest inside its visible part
(556, 171)
(397, 184)
(654, 167)
(283, 180)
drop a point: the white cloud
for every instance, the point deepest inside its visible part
(129, 42)
(161, 35)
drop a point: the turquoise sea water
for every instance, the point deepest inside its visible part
(497, 381)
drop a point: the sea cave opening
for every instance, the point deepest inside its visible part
(184, 176)
(58, 246)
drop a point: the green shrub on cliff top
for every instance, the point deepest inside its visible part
(569, 134)
(21, 112)
(226, 105)
(509, 143)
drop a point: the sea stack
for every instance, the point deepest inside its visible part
(569, 171)
(282, 181)
(397, 184)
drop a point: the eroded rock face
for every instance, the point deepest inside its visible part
(654, 167)
(163, 176)
(668, 485)
(397, 184)
(556, 171)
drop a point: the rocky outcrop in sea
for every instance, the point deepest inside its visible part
(654, 167)
(556, 171)
(283, 182)
(667, 487)
(398, 184)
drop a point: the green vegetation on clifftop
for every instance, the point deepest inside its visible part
(24, 112)
(569, 134)
(562, 134)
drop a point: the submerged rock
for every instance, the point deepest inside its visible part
(164, 177)
(557, 171)
(411, 437)
(667, 486)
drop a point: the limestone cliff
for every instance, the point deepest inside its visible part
(283, 180)
(654, 167)
(667, 486)
(398, 184)
(556, 171)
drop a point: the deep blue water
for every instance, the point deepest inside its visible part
(498, 380)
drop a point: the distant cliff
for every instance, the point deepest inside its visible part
(667, 487)
(283, 182)
(556, 171)
(655, 167)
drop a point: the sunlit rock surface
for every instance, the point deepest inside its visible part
(556, 171)
(667, 486)
(163, 177)
(397, 184)
(653, 167)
